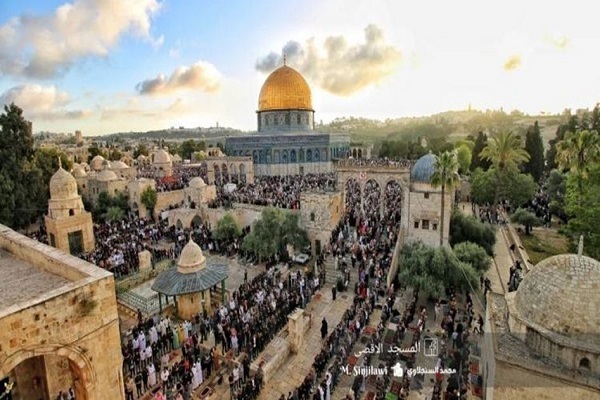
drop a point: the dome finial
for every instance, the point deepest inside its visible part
(59, 162)
(580, 247)
(284, 59)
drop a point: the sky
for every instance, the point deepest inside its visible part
(104, 66)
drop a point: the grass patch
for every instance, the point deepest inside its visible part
(544, 243)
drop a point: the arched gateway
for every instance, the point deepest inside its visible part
(60, 328)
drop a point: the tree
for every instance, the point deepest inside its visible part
(525, 218)
(584, 211)
(476, 160)
(22, 191)
(518, 188)
(114, 214)
(576, 153)
(94, 151)
(463, 154)
(431, 269)
(505, 153)
(115, 155)
(534, 145)
(556, 187)
(141, 150)
(275, 230)
(445, 175)
(474, 254)
(190, 146)
(571, 126)
(148, 199)
(465, 228)
(227, 229)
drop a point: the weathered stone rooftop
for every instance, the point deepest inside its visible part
(20, 281)
(512, 350)
(562, 295)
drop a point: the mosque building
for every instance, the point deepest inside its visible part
(286, 142)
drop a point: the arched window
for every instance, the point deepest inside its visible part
(585, 363)
(301, 155)
(312, 216)
(71, 212)
(293, 156)
(308, 155)
(284, 157)
(317, 155)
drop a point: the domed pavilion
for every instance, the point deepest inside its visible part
(190, 282)
(286, 141)
(69, 225)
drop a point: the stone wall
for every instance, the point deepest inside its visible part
(166, 199)
(77, 321)
(61, 227)
(424, 216)
(320, 213)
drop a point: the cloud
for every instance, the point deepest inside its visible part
(201, 76)
(337, 66)
(512, 63)
(158, 42)
(46, 46)
(42, 102)
(560, 43)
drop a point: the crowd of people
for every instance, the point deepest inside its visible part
(374, 162)
(277, 191)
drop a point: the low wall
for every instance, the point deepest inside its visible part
(394, 265)
(273, 357)
(512, 237)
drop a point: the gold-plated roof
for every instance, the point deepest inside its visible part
(285, 89)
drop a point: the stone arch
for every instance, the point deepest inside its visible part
(80, 364)
(359, 153)
(225, 172)
(242, 173)
(353, 194)
(179, 224)
(196, 221)
(233, 172)
(217, 172)
(372, 193)
(353, 153)
(585, 363)
(393, 198)
(134, 206)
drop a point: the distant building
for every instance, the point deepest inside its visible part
(286, 142)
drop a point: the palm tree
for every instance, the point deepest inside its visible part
(445, 175)
(575, 153)
(504, 151)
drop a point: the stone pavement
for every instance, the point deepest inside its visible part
(296, 367)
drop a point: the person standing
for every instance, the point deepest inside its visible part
(323, 329)
(129, 386)
(333, 292)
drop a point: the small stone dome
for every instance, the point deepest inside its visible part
(423, 169)
(97, 163)
(191, 259)
(197, 183)
(106, 176)
(561, 294)
(141, 157)
(62, 185)
(118, 165)
(162, 157)
(176, 158)
(78, 171)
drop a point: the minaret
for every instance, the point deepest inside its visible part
(69, 225)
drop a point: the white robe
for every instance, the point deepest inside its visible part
(151, 375)
(196, 376)
(153, 335)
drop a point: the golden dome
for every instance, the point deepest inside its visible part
(285, 89)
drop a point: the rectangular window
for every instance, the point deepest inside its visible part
(416, 224)
(425, 224)
(426, 195)
(434, 226)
